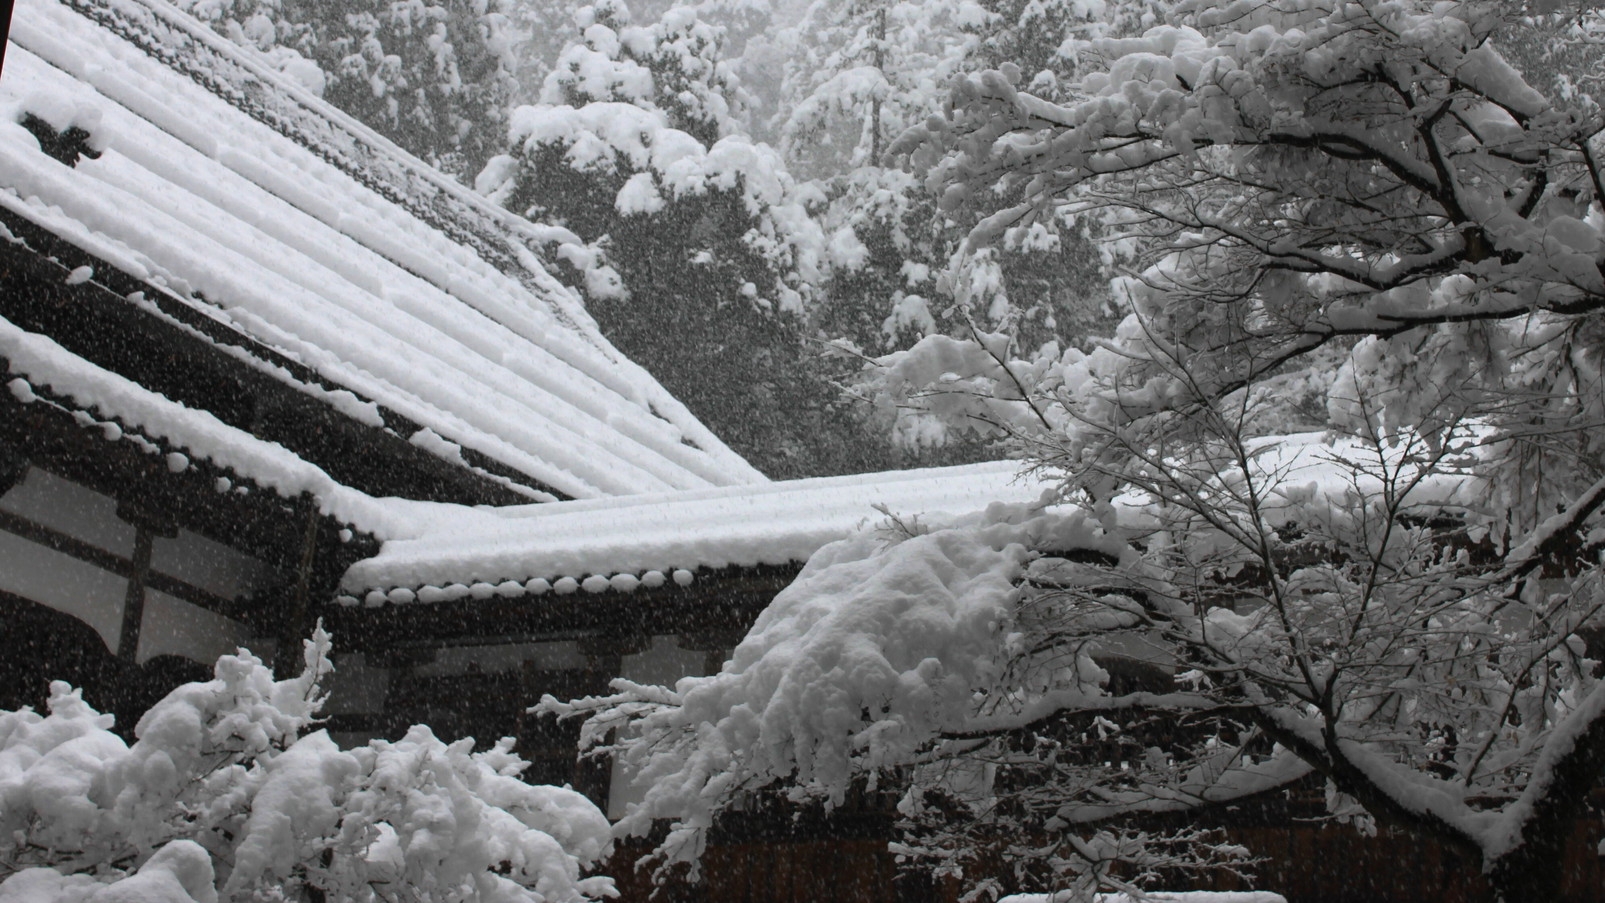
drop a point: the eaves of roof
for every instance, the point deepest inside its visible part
(227, 190)
(645, 543)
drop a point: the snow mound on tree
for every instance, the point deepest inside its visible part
(666, 164)
(879, 645)
(180, 872)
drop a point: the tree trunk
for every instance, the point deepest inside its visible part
(875, 104)
(1531, 871)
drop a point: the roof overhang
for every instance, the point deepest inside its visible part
(642, 543)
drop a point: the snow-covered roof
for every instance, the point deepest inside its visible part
(40, 371)
(472, 345)
(620, 544)
(442, 552)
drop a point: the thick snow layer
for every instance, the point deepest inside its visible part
(263, 234)
(437, 552)
(180, 872)
(877, 648)
(658, 537)
(440, 553)
(230, 763)
(39, 369)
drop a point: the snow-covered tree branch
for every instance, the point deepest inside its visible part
(1361, 203)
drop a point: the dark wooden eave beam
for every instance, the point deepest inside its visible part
(178, 351)
(253, 519)
(306, 582)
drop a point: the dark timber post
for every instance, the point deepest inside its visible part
(149, 521)
(13, 467)
(134, 601)
(604, 660)
(715, 646)
(287, 661)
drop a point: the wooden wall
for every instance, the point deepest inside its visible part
(779, 871)
(1330, 863)
(1306, 862)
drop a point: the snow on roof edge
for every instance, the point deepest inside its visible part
(35, 363)
(159, 30)
(602, 545)
(620, 544)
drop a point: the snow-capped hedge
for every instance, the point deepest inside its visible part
(229, 793)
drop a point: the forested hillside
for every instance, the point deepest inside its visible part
(721, 178)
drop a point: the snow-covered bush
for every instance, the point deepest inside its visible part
(229, 793)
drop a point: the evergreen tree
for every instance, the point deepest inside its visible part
(432, 76)
(863, 73)
(674, 67)
(635, 150)
(435, 76)
(540, 30)
(859, 72)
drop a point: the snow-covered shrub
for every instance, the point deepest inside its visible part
(230, 793)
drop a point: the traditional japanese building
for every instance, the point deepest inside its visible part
(245, 340)
(263, 368)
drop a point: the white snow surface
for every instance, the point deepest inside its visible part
(264, 235)
(452, 551)
(777, 523)
(439, 553)
(37, 364)
(449, 551)
(229, 762)
(180, 872)
(877, 648)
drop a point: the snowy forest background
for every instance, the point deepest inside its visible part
(718, 178)
(1297, 303)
